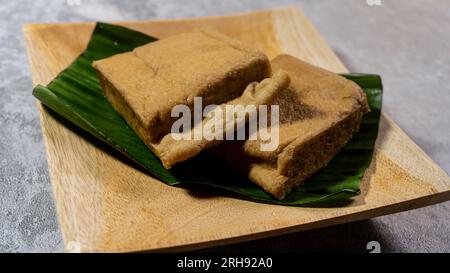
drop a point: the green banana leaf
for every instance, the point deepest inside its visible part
(76, 95)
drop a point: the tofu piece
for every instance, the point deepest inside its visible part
(171, 150)
(145, 84)
(319, 112)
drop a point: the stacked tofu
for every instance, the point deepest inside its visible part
(319, 110)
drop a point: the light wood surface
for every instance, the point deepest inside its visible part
(104, 204)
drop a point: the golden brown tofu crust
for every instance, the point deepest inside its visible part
(306, 159)
(145, 84)
(319, 112)
(172, 151)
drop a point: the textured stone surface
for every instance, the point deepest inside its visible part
(407, 42)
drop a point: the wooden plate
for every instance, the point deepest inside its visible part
(104, 204)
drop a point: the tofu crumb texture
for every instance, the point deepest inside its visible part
(319, 112)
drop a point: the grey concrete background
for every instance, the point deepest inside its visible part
(406, 41)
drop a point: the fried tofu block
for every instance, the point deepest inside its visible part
(319, 112)
(145, 84)
(172, 150)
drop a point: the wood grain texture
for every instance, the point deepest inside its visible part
(106, 204)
